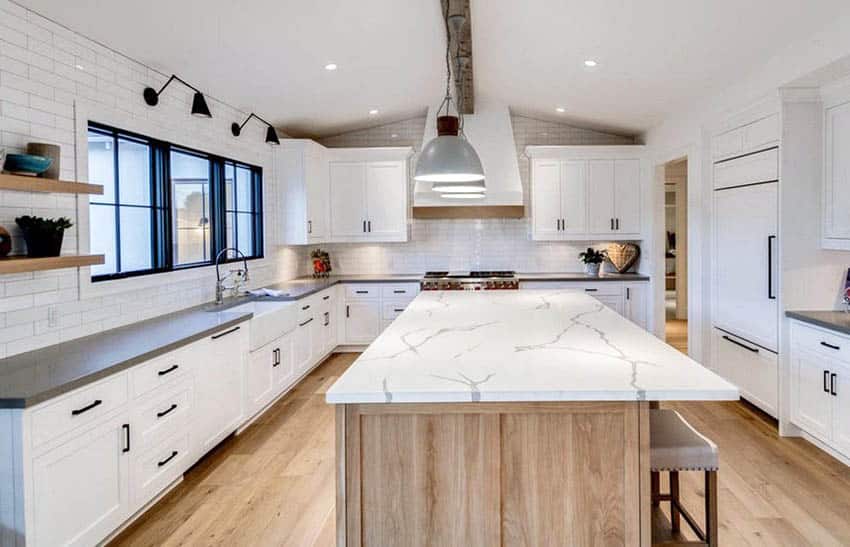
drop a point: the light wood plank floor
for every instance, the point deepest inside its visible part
(274, 484)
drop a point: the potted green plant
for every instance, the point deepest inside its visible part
(592, 259)
(43, 235)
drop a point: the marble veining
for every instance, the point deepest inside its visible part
(529, 345)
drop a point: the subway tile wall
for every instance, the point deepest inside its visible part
(466, 244)
(49, 78)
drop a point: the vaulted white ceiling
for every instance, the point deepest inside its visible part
(269, 55)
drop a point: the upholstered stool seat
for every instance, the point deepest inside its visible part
(676, 446)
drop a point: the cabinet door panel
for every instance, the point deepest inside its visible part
(362, 321)
(574, 197)
(318, 195)
(284, 372)
(302, 347)
(348, 199)
(840, 384)
(546, 199)
(259, 378)
(837, 202)
(635, 303)
(811, 404)
(627, 196)
(600, 191)
(81, 489)
(386, 200)
(220, 385)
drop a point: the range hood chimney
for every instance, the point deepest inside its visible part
(490, 131)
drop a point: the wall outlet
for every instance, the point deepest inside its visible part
(52, 317)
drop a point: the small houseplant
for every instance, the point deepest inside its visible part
(43, 235)
(592, 259)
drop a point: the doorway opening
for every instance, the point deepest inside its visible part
(676, 253)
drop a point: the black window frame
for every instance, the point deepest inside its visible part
(162, 225)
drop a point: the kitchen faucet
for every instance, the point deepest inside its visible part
(241, 275)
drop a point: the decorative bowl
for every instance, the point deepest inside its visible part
(26, 164)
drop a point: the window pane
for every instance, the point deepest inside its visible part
(245, 233)
(102, 238)
(230, 230)
(243, 190)
(102, 166)
(135, 238)
(228, 185)
(134, 180)
(191, 215)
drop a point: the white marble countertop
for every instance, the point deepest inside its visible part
(511, 346)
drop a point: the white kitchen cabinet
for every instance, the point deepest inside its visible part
(302, 346)
(219, 386)
(362, 321)
(369, 200)
(318, 336)
(158, 467)
(752, 368)
(836, 183)
(284, 371)
(559, 199)
(586, 192)
(259, 377)
(811, 402)
(328, 309)
(635, 303)
(81, 489)
(840, 390)
(752, 137)
(302, 170)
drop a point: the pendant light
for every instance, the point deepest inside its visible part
(448, 160)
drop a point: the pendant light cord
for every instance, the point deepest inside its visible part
(447, 100)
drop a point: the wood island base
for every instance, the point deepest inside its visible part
(489, 474)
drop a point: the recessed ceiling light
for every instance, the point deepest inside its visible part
(373, 111)
(560, 110)
(394, 136)
(80, 67)
(590, 63)
(331, 66)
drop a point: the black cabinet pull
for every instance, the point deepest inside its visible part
(347, 311)
(612, 223)
(628, 294)
(399, 291)
(590, 290)
(225, 333)
(275, 357)
(327, 319)
(361, 292)
(167, 411)
(77, 412)
(770, 294)
(326, 297)
(126, 428)
(746, 347)
(172, 368)
(832, 378)
(309, 226)
(617, 223)
(830, 346)
(397, 310)
(307, 307)
(364, 226)
(168, 459)
(369, 224)
(305, 322)
(826, 381)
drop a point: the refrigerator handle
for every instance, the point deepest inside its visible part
(770, 294)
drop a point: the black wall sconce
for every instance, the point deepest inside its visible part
(199, 104)
(271, 134)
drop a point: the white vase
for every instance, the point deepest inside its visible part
(591, 269)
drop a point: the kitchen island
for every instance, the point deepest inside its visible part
(505, 418)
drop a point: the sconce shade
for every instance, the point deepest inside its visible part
(271, 136)
(199, 106)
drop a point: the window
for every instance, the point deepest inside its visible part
(165, 207)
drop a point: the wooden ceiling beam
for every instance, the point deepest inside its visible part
(464, 91)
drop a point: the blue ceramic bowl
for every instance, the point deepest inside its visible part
(26, 163)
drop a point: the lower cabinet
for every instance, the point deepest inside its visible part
(750, 367)
(370, 308)
(219, 387)
(302, 346)
(81, 489)
(362, 321)
(635, 307)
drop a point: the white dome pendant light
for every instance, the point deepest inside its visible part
(448, 160)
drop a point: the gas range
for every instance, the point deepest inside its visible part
(470, 281)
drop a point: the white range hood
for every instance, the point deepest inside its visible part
(490, 132)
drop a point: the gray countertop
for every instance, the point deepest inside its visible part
(580, 276)
(828, 319)
(36, 376)
(300, 287)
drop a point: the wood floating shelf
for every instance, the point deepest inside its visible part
(35, 184)
(21, 264)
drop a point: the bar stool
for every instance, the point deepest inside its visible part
(676, 446)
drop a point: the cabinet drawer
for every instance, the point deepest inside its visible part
(761, 167)
(162, 372)
(308, 308)
(400, 291)
(158, 467)
(362, 290)
(393, 310)
(161, 416)
(820, 341)
(79, 408)
(752, 368)
(593, 288)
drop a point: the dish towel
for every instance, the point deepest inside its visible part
(266, 292)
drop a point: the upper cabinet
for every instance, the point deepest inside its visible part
(752, 137)
(302, 171)
(836, 182)
(369, 194)
(586, 192)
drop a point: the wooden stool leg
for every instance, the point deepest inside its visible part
(655, 485)
(675, 523)
(711, 508)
